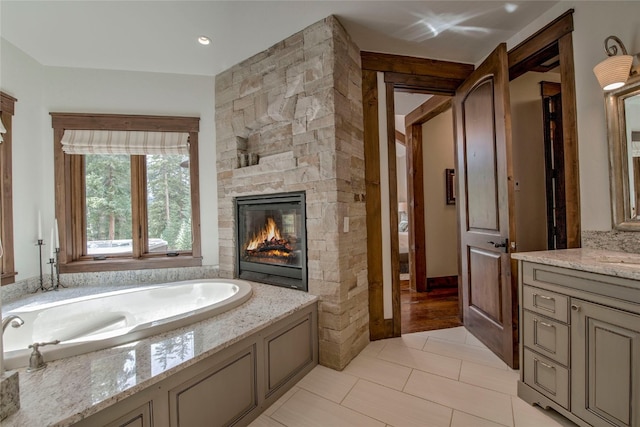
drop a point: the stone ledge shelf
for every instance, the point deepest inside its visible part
(274, 163)
(70, 390)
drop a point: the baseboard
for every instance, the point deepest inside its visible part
(442, 282)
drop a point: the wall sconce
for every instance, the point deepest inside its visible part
(614, 71)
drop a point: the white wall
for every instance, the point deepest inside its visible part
(527, 133)
(440, 219)
(41, 90)
(593, 22)
(401, 172)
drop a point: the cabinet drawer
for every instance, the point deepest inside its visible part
(546, 336)
(547, 376)
(547, 303)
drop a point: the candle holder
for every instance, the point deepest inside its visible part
(40, 244)
(58, 284)
(52, 261)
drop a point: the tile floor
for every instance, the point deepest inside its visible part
(434, 378)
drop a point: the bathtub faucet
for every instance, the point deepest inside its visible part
(12, 319)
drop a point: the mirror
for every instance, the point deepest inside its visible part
(623, 124)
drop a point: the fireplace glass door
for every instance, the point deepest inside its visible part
(271, 239)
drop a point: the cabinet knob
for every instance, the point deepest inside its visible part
(575, 307)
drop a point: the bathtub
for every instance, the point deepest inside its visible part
(109, 319)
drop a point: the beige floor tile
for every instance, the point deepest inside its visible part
(527, 415)
(471, 353)
(373, 348)
(472, 340)
(328, 383)
(271, 409)
(264, 421)
(418, 359)
(457, 334)
(309, 410)
(379, 371)
(474, 400)
(461, 419)
(504, 381)
(409, 340)
(395, 408)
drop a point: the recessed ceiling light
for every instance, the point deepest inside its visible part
(204, 40)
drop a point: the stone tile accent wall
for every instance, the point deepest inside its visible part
(298, 105)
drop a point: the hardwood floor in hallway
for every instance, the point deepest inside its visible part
(426, 311)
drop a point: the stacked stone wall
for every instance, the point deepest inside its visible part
(298, 107)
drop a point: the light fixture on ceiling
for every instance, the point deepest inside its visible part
(614, 71)
(204, 40)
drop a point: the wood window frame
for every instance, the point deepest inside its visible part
(7, 108)
(69, 194)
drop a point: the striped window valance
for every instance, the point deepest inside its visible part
(124, 142)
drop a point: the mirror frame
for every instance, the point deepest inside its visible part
(618, 161)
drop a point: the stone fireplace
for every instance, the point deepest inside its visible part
(271, 236)
(297, 107)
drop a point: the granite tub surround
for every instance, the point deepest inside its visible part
(9, 393)
(610, 263)
(298, 106)
(71, 389)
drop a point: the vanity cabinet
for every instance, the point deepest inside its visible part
(606, 348)
(580, 344)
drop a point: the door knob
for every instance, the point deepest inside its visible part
(499, 245)
(575, 307)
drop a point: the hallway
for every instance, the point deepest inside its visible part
(425, 311)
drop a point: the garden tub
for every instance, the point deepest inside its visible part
(109, 319)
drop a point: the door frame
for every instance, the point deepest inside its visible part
(400, 73)
(442, 78)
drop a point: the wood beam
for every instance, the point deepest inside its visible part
(400, 137)
(570, 137)
(373, 205)
(124, 122)
(544, 37)
(430, 84)
(428, 110)
(417, 66)
(415, 196)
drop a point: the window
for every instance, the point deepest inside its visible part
(7, 104)
(126, 191)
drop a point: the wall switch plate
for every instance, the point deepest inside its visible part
(346, 224)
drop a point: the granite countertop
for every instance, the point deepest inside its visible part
(71, 389)
(610, 263)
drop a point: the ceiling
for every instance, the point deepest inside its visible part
(160, 36)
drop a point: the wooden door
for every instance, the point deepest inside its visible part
(487, 226)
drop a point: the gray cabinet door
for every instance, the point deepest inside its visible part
(605, 364)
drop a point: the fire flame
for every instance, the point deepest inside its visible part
(269, 232)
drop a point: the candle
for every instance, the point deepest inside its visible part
(51, 253)
(57, 235)
(39, 225)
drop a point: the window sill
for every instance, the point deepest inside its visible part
(8, 278)
(91, 266)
